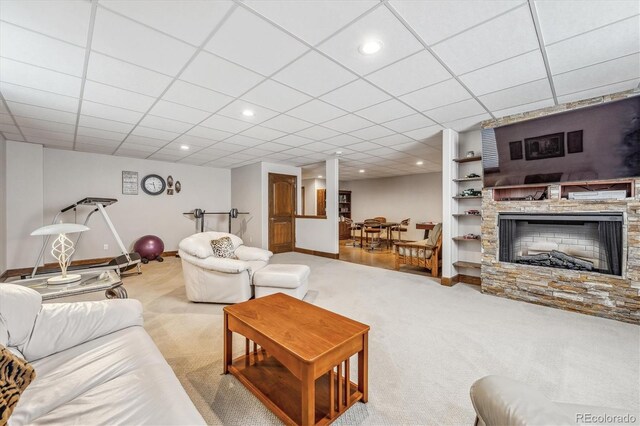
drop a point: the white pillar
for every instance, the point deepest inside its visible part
(449, 205)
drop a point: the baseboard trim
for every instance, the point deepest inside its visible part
(317, 253)
(449, 281)
(470, 279)
(23, 271)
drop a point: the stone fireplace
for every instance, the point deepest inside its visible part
(573, 228)
(575, 241)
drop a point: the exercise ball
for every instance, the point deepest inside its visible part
(149, 248)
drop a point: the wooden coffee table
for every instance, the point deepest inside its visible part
(299, 364)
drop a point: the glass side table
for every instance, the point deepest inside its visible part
(91, 281)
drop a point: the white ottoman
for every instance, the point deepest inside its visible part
(288, 279)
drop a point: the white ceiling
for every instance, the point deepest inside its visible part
(141, 78)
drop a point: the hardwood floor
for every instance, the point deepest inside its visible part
(383, 258)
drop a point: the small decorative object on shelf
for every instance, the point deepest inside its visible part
(471, 154)
(472, 175)
(178, 187)
(470, 192)
(473, 212)
(471, 237)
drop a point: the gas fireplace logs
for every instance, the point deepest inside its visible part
(556, 259)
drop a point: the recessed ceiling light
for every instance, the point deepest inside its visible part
(247, 113)
(338, 152)
(320, 176)
(420, 163)
(370, 47)
(361, 170)
(184, 147)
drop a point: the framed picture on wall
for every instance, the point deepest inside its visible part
(546, 146)
(574, 142)
(129, 183)
(515, 150)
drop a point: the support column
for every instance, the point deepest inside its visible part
(449, 205)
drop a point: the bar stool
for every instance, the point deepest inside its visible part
(403, 227)
(373, 228)
(353, 227)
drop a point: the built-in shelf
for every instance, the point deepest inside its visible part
(467, 159)
(465, 239)
(520, 193)
(466, 215)
(468, 179)
(460, 197)
(463, 264)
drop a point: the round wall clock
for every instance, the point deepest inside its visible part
(153, 184)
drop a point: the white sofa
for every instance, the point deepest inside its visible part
(219, 280)
(94, 364)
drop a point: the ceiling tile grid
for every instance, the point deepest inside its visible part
(228, 83)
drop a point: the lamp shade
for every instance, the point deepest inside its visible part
(60, 228)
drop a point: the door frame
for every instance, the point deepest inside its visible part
(295, 208)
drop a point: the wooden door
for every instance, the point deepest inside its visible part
(321, 202)
(282, 211)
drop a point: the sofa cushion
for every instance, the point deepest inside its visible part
(199, 245)
(120, 378)
(222, 247)
(434, 234)
(19, 307)
(15, 375)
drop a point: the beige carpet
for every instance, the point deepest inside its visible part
(428, 344)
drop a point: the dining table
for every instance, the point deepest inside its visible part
(384, 225)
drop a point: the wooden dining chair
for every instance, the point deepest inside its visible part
(403, 227)
(373, 229)
(353, 227)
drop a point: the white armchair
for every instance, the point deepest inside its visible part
(219, 280)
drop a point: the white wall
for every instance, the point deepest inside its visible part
(24, 202)
(311, 187)
(3, 204)
(322, 234)
(246, 196)
(43, 181)
(418, 197)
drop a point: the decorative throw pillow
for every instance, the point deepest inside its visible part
(223, 247)
(15, 376)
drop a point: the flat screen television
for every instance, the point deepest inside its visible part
(593, 143)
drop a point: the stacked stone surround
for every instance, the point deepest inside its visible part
(586, 292)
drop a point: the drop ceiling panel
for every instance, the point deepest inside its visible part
(26, 95)
(348, 123)
(66, 20)
(379, 25)
(36, 49)
(523, 108)
(146, 141)
(314, 20)
(386, 111)
(101, 134)
(124, 39)
(47, 134)
(273, 146)
(220, 75)
(275, 96)
(432, 20)
(100, 123)
(373, 132)
(456, 111)
(263, 133)
(424, 133)
(194, 142)
(293, 140)
(95, 109)
(287, 124)
(518, 95)
(267, 53)
(392, 140)
(178, 112)
(225, 124)
(602, 90)
(509, 73)
(191, 24)
(411, 122)
(113, 72)
(154, 133)
(161, 123)
(316, 111)
(417, 71)
(314, 74)
(109, 95)
(39, 78)
(343, 140)
(563, 19)
(236, 108)
(618, 70)
(610, 42)
(317, 133)
(466, 124)
(504, 37)
(444, 93)
(356, 95)
(208, 133)
(194, 96)
(35, 123)
(41, 113)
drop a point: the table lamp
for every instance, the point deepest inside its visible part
(62, 248)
